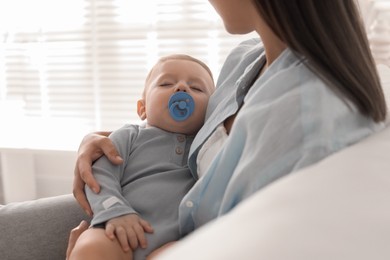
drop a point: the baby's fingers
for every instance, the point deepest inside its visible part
(110, 231)
(140, 236)
(121, 235)
(132, 238)
(146, 226)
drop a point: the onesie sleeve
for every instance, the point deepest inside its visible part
(109, 202)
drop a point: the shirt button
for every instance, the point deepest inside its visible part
(189, 204)
(179, 150)
(180, 138)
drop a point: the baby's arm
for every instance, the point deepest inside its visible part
(129, 230)
(110, 205)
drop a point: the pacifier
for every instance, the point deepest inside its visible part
(181, 105)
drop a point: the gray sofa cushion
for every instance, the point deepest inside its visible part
(38, 229)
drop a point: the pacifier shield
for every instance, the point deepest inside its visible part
(181, 105)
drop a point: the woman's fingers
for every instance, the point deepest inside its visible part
(79, 194)
(84, 168)
(110, 151)
(91, 148)
(74, 235)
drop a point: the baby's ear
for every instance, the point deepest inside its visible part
(141, 110)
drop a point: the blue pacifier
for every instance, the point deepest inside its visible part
(181, 105)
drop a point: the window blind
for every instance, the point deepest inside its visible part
(378, 29)
(71, 67)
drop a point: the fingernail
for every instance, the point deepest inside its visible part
(83, 223)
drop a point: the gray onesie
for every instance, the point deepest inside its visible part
(151, 182)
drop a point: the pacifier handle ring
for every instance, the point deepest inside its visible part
(181, 106)
(177, 103)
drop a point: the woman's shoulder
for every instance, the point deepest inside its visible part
(240, 58)
(249, 43)
(246, 47)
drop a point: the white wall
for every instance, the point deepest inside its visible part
(30, 174)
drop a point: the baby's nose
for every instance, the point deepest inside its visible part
(181, 86)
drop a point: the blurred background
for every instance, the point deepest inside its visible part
(70, 67)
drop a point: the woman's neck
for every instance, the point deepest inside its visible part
(273, 45)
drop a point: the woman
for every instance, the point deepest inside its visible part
(307, 89)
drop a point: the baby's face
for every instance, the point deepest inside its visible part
(172, 76)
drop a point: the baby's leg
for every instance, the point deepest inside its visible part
(95, 245)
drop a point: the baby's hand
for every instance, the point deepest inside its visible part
(129, 230)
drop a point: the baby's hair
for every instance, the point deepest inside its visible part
(180, 57)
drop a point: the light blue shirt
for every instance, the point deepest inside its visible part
(290, 119)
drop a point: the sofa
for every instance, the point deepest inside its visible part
(338, 208)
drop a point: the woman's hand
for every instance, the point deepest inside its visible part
(92, 147)
(129, 230)
(74, 235)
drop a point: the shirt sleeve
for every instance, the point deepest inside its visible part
(109, 202)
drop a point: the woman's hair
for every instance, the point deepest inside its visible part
(330, 35)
